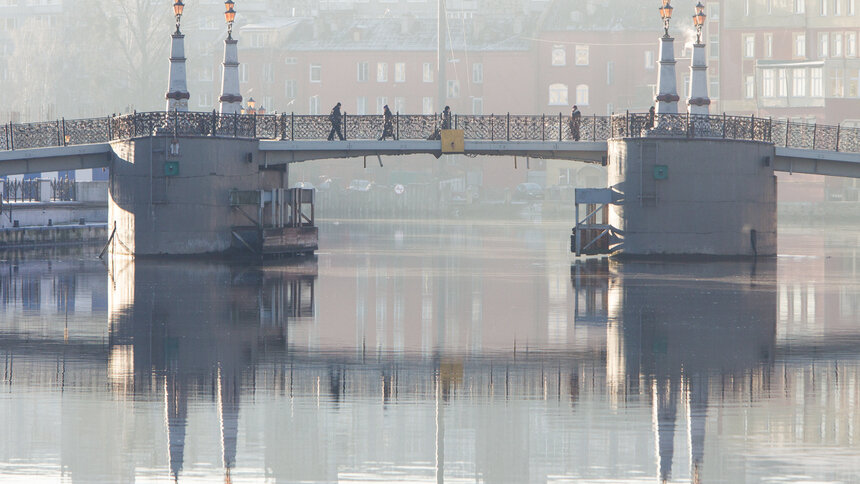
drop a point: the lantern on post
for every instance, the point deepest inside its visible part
(178, 7)
(699, 21)
(666, 15)
(229, 16)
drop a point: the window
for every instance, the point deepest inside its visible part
(382, 72)
(453, 89)
(427, 72)
(268, 73)
(399, 105)
(316, 73)
(582, 95)
(558, 95)
(823, 45)
(290, 89)
(747, 8)
(798, 82)
(799, 45)
(206, 73)
(822, 7)
(268, 101)
(361, 105)
(782, 83)
(243, 72)
(381, 101)
(477, 105)
(205, 100)
(851, 7)
(477, 73)
(836, 49)
(749, 46)
(837, 82)
(400, 72)
(291, 61)
(713, 11)
(427, 105)
(649, 59)
(314, 105)
(714, 87)
(559, 56)
(837, 7)
(851, 44)
(610, 73)
(767, 82)
(768, 46)
(854, 83)
(582, 55)
(363, 71)
(714, 46)
(799, 6)
(749, 87)
(816, 82)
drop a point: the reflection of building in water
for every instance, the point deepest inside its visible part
(210, 381)
(197, 326)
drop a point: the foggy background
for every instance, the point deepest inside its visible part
(786, 59)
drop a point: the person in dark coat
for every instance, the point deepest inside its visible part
(446, 124)
(387, 124)
(651, 113)
(446, 118)
(575, 122)
(335, 118)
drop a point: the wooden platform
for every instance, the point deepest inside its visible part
(290, 240)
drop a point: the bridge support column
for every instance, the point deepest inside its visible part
(165, 202)
(708, 197)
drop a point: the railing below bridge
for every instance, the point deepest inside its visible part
(492, 127)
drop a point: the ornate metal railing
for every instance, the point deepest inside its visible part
(492, 127)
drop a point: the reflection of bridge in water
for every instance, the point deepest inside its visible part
(684, 342)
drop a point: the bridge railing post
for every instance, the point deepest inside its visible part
(814, 134)
(64, 132)
(110, 128)
(560, 123)
(292, 126)
(787, 131)
(543, 127)
(397, 124)
(214, 124)
(594, 127)
(838, 132)
(60, 139)
(508, 122)
(345, 127)
(235, 125)
(254, 120)
(724, 125)
(456, 118)
(9, 136)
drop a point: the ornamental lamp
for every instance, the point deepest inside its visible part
(666, 15)
(699, 21)
(230, 16)
(261, 111)
(178, 7)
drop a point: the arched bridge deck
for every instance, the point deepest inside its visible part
(286, 138)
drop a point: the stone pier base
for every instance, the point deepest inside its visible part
(709, 197)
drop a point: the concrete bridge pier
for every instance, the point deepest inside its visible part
(711, 197)
(171, 196)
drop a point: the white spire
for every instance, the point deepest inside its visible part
(177, 86)
(231, 98)
(699, 102)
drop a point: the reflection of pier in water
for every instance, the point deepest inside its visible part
(681, 340)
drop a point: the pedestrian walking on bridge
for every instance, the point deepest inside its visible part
(335, 118)
(575, 122)
(387, 124)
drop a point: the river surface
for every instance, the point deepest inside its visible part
(433, 351)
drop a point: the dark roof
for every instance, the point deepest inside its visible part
(399, 34)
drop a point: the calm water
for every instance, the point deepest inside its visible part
(431, 352)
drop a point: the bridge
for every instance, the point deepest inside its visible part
(185, 182)
(286, 138)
